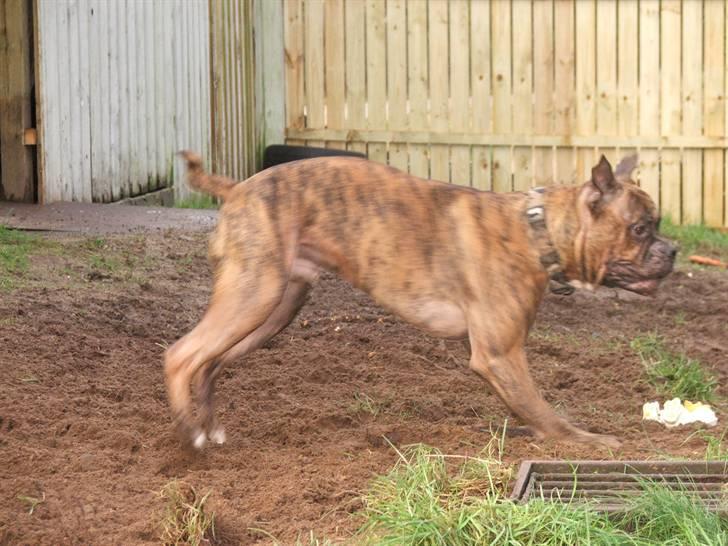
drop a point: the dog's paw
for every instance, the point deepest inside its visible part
(217, 436)
(608, 441)
(603, 440)
(199, 440)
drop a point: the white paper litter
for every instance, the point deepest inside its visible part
(675, 412)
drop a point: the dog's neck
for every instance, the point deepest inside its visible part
(564, 225)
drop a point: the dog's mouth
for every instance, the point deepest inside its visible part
(645, 288)
(643, 280)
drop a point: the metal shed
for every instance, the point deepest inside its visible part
(96, 97)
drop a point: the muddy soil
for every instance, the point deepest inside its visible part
(84, 423)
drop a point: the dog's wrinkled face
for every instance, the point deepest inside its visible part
(636, 258)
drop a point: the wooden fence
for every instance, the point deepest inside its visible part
(234, 139)
(505, 94)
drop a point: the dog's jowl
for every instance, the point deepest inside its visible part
(456, 262)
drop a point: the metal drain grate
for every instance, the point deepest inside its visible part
(608, 483)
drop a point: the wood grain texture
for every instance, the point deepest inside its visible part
(502, 91)
(17, 175)
(503, 94)
(544, 109)
(480, 77)
(438, 18)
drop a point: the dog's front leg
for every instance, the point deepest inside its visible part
(508, 374)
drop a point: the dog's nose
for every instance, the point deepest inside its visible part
(673, 252)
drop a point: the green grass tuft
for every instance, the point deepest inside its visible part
(696, 240)
(15, 247)
(424, 501)
(715, 450)
(365, 404)
(197, 201)
(670, 517)
(674, 375)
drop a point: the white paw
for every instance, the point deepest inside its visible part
(200, 440)
(218, 436)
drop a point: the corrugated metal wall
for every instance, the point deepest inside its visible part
(123, 86)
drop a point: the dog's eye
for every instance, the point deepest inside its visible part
(639, 229)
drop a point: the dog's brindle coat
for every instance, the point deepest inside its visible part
(454, 261)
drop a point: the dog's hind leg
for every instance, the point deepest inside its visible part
(508, 374)
(293, 299)
(241, 302)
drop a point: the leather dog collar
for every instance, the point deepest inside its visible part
(548, 255)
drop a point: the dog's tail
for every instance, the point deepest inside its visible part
(197, 178)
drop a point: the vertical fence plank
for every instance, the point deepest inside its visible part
(250, 143)
(397, 78)
(670, 122)
(460, 113)
(335, 67)
(480, 78)
(522, 107)
(140, 48)
(98, 21)
(355, 68)
(692, 111)
(649, 94)
(543, 88)
(417, 76)
(314, 66)
(585, 83)
(150, 105)
(564, 88)
(159, 100)
(480, 84)
(627, 65)
(74, 78)
(124, 135)
(16, 37)
(293, 31)
(52, 188)
(232, 87)
(606, 62)
(376, 74)
(715, 111)
(502, 89)
(218, 78)
(439, 71)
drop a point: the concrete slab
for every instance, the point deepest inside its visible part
(100, 218)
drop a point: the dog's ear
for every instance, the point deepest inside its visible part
(623, 171)
(603, 185)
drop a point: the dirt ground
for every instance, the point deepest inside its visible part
(85, 428)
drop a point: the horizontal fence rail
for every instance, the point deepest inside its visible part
(507, 94)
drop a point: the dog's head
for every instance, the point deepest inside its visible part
(618, 244)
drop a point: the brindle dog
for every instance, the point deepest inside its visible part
(454, 261)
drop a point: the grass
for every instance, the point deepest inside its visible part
(674, 375)
(363, 403)
(424, 501)
(185, 519)
(715, 450)
(33, 502)
(696, 240)
(672, 518)
(197, 201)
(15, 247)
